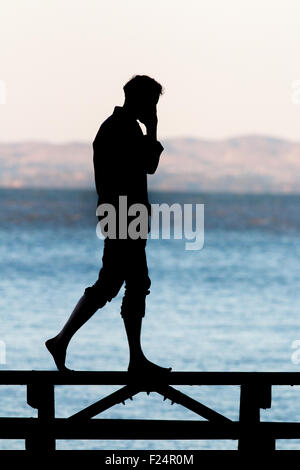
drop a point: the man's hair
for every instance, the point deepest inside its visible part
(140, 84)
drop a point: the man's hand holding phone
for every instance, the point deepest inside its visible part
(150, 120)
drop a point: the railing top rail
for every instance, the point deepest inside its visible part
(23, 377)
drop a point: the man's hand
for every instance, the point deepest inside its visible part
(150, 120)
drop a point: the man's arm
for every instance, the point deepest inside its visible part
(151, 152)
(153, 148)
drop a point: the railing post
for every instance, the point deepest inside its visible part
(254, 397)
(41, 396)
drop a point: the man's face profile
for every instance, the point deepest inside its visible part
(146, 107)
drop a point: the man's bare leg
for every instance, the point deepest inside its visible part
(137, 359)
(57, 346)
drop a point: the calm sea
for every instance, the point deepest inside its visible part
(232, 306)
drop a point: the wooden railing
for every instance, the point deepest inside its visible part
(40, 433)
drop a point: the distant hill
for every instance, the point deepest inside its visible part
(243, 164)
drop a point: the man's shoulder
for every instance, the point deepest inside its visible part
(106, 127)
(118, 127)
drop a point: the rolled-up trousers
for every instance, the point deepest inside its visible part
(122, 261)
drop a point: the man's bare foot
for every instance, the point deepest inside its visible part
(144, 366)
(58, 353)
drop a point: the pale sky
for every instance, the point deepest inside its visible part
(226, 65)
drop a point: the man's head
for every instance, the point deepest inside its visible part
(141, 95)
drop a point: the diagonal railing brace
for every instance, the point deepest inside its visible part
(107, 402)
(182, 399)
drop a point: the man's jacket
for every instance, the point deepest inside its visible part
(123, 156)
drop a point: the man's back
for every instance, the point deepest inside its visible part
(116, 152)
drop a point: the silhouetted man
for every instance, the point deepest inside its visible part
(123, 156)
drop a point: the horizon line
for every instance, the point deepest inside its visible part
(183, 137)
(156, 190)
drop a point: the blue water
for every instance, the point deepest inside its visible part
(232, 306)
